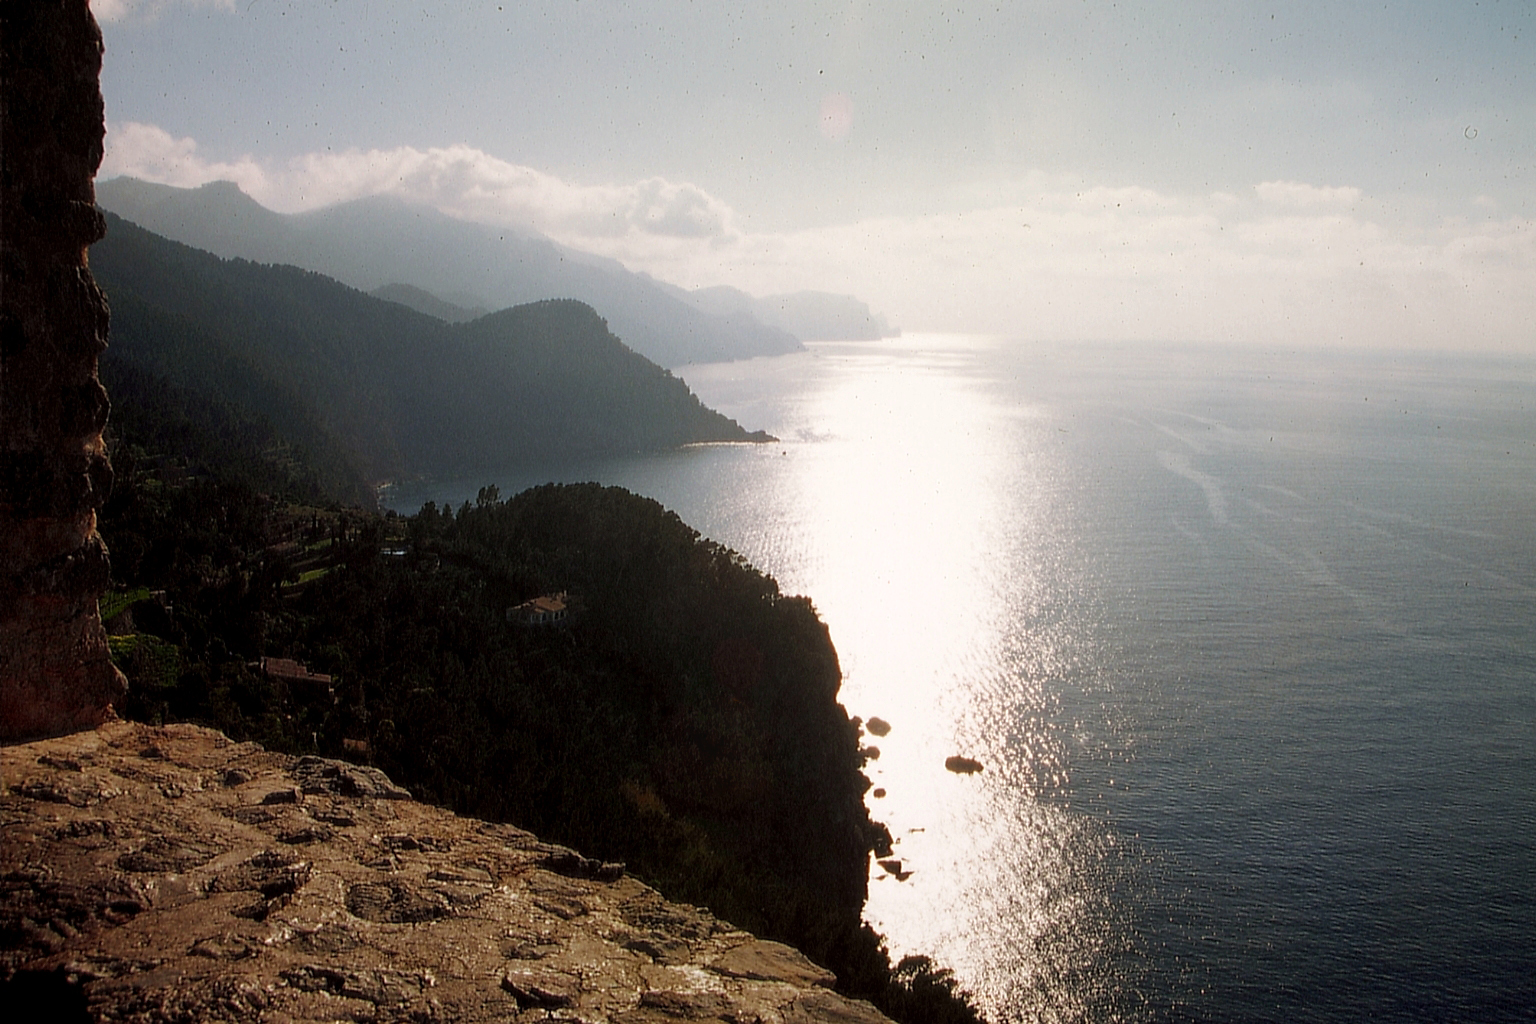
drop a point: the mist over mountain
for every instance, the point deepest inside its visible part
(423, 301)
(381, 241)
(369, 389)
(808, 315)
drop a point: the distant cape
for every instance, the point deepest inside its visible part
(808, 315)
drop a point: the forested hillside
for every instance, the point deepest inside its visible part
(368, 389)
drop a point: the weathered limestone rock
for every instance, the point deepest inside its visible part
(55, 673)
(149, 874)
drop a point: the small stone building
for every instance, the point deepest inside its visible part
(546, 610)
(297, 675)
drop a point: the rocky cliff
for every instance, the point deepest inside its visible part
(55, 674)
(170, 874)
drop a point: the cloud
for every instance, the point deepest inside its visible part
(459, 180)
(658, 207)
(123, 10)
(154, 154)
(1050, 258)
(1133, 264)
(1299, 195)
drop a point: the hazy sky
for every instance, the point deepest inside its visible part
(1288, 174)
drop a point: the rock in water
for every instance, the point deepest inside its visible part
(962, 765)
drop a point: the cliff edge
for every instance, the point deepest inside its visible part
(171, 874)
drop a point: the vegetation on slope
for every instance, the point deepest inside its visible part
(372, 390)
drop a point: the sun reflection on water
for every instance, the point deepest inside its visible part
(926, 532)
(925, 513)
(1179, 668)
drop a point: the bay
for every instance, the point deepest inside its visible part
(1243, 639)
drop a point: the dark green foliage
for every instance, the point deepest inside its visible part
(212, 546)
(687, 721)
(919, 989)
(372, 390)
(157, 423)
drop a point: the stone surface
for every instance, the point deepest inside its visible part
(147, 875)
(55, 673)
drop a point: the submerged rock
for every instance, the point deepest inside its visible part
(962, 765)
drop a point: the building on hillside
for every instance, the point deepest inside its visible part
(297, 675)
(546, 610)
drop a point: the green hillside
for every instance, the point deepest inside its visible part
(368, 389)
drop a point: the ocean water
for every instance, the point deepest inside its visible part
(1245, 641)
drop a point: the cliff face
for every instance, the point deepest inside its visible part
(170, 874)
(55, 673)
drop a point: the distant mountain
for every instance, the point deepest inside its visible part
(423, 301)
(380, 241)
(807, 315)
(371, 389)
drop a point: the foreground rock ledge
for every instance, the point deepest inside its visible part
(170, 874)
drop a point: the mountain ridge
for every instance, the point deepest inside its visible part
(423, 301)
(381, 391)
(379, 241)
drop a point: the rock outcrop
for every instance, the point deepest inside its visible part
(55, 673)
(170, 874)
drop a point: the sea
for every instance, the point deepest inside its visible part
(1243, 640)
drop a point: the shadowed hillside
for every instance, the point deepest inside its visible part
(380, 241)
(368, 388)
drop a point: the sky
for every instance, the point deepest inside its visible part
(1301, 174)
